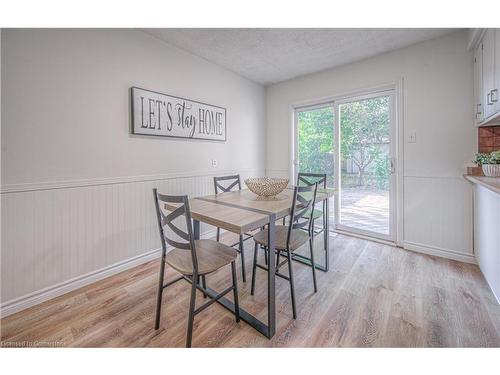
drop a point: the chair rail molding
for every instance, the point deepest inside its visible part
(62, 184)
(285, 173)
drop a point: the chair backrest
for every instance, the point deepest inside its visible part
(304, 198)
(229, 183)
(309, 179)
(167, 220)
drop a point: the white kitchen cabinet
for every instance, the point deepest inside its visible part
(496, 90)
(487, 77)
(487, 235)
(478, 84)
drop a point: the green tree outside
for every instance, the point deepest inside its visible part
(316, 142)
(364, 132)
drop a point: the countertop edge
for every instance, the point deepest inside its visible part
(491, 183)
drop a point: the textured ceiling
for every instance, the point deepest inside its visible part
(269, 56)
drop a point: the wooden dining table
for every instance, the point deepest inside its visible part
(240, 212)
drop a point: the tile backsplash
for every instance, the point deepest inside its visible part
(489, 139)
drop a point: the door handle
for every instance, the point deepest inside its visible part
(478, 110)
(392, 169)
(496, 99)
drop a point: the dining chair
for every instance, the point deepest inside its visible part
(290, 238)
(309, 179)
(227, 185)
(193, 259)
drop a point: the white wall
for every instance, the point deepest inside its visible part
(67, 106)
(437, 104)
(76, 186)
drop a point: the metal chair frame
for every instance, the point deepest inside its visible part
(189, 245)
(308, 179)
(299, 208)
(320, 179)
(219, 188)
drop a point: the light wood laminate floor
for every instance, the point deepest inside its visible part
(373, 296)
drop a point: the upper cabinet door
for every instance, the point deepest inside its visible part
(488, 46)
(478, 84)
(496, 88)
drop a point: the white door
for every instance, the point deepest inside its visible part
(495, 94)
(365, 144)
(488, 46)
(478, 84)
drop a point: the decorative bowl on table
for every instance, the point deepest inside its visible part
(266, 187)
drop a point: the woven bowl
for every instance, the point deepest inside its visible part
(265, 186)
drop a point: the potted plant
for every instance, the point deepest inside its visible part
(490, 163)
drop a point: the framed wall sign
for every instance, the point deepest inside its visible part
(158, 114)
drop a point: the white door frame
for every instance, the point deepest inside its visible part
(396, 141)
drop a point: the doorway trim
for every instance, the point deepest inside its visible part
(397, 88)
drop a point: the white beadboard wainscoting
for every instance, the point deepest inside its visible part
(59, 236)
(437, 215)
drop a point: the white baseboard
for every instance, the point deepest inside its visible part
(492, 290)
(439, 252)
(35, 298)
(419, 248)
(45, 294)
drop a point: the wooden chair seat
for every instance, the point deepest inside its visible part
(211, 255)
(316, 214)
(297, 238)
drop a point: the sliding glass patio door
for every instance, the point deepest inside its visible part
(366, 177)
(314, 142)
(358, 157)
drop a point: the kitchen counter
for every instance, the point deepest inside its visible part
(491, 183)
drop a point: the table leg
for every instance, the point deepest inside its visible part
(271, 289)
(270, 329)
(327, 234)
(196, 229)
(196, 235)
